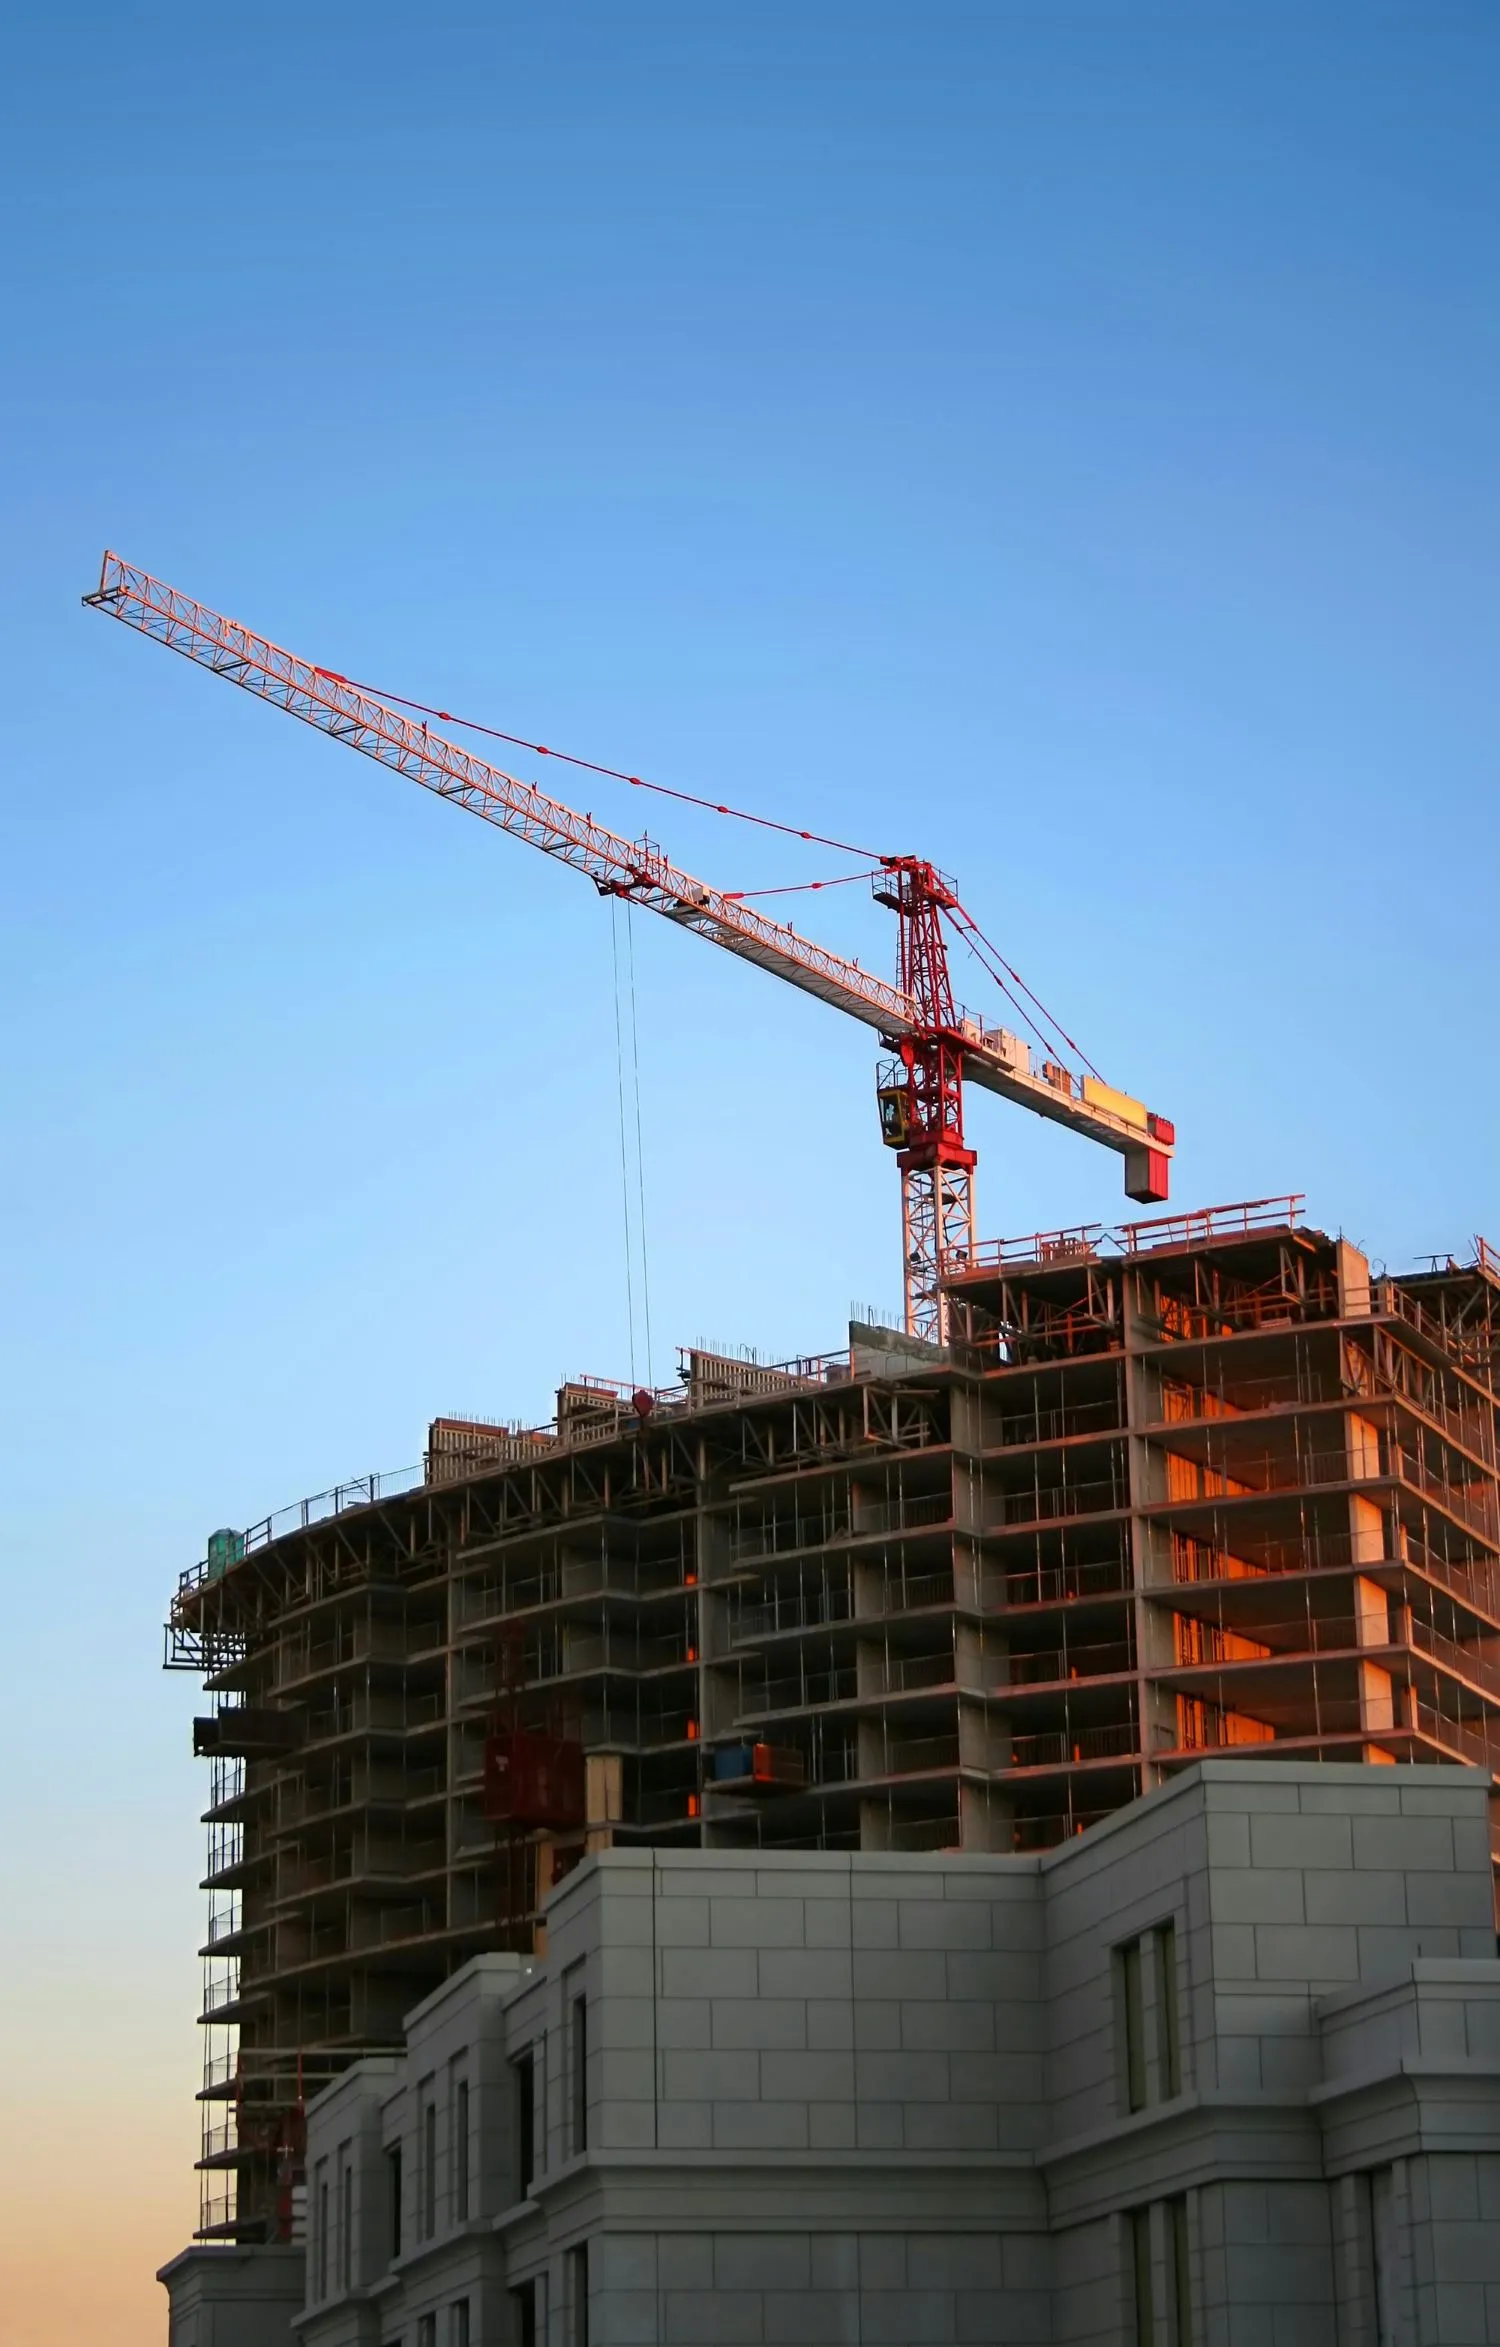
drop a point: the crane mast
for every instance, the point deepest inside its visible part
(922, 1097)
(934, 1046)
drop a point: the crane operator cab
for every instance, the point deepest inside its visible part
(893, 1095)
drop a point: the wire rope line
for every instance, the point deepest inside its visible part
(614, 950)
(640, 1154)
(739, 896)
(1045, 1040)
(591, 766)
(963, 920)
(970, 928)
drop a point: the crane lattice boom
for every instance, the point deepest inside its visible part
(938, 1045)
(619, 867)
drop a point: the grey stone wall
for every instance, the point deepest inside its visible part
(1224, 2071)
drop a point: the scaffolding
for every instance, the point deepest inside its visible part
(1189, 1485)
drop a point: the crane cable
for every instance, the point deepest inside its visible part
(640, 1156)
(590, 766)
(969, 929)
(614, 951)
(739, 896)
(1046, 1041)
(964, 921)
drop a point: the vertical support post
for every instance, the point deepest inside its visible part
(922, 1099)
(937, 1225)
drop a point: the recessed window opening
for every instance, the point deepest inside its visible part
(346, 2224)
(524, 2071)
(578, 2083)
(429, 2170)
(461, 2193)
(393, 2196)
(1142, 2294)
(1148, 2018)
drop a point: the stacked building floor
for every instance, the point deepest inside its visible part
(1199, 1485)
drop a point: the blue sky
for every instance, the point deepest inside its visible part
(1056, 440)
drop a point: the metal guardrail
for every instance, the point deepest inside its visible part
(1084, 1242)
(756, 1543)
(1056, 1748)
(1063, 1665)
(617, 1415)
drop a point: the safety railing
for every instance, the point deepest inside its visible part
(1186, 1404)
(1046, 1504)
(221, 1989)
(1050, 1831)
(751, 1543)
(226, 1847)
(1055, 1666)
(792, 1610)
(903, 1593)
(1243, 1220)
(1473, 1353)
(1055, 1584)
(1270, 1474)
(1015, 1430)
(221, 2070)
(805, 1691)
(909, 1756)
(1087, 1240)
(1063, 1747)
(216, 2212)
(1455, 1656)
(1477, 1503)
(1200, 1561)
(1209, 1727)
(904, 1674)
(362, 1491)
(1475, 1741)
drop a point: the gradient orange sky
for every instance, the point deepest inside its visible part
(99, 2054)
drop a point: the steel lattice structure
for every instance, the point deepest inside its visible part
(938, 1046)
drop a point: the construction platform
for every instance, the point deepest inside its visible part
(1201, 1483)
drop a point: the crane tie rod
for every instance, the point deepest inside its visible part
(613, 773)
(969, 929)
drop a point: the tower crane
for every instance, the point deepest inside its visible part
(933, 1047)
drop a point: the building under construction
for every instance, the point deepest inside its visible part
(1197, 1483)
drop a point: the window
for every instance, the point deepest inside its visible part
(578, 2296)
(429, 2169)
(393, 2196)
(458, 2323)
(524, 2300)
(427, 2330)
(461, 2151)
(320, 2226)
(524, 2068)
(1148, 2026)
(1168, 2027)
(346, 2221)
(1133, 2005)
(1180, 2273)
(578, 2075)
(1142, 2300)
(1385, 2248)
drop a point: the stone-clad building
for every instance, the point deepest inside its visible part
(1223, 2071)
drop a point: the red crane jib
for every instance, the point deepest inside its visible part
(938, 1047)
